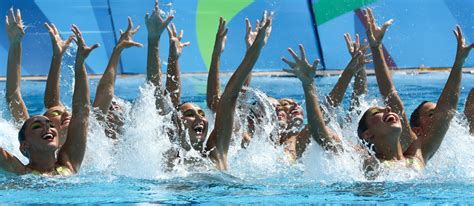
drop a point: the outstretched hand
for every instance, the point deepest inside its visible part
(59, 46)
(176, 47)
(221, 36)
(155, 24)
(374, 32)
(265, 25)
(83, 50)
(14, 26)
(126, 40)
(357, 50)
(301, 68)
(462, 49)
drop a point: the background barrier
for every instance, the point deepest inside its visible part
(421, 33)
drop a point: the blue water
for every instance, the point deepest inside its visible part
(130, 170)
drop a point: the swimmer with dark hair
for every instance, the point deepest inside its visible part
(387, 130)
(56, 112)
(431, 121)
(110, 112)
(191, 117)
(39, 138)
(292, 133)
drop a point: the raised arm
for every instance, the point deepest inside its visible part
(173, 76)
(250, 37)
(72, 152)
(222, 133)
(15, 32)
(360, 82)
(384, 80)
(469, 110)
(447, 103)
(358, 60)
(105, 89)
(155, 26)
(306, 72)
(52, 93)
(213, 83)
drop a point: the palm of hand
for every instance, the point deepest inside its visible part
(155, 24)
(15, 31)
(176, 46)
(304, 71)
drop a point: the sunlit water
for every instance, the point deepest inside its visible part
(132, 169)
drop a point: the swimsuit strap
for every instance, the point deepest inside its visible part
(61, 170)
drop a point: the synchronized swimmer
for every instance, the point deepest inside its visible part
(55, 142)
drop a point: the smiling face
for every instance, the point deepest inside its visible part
(61, 118)
(290, 114)
(39, 135)
(379, 125)
(195, 122)
(422, 117)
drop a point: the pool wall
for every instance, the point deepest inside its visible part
(420, 36)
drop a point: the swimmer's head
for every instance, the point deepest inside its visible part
(195, 122)
(38, 135)
(115, 120)
(290, 114)
(378, 126)
(421, 117)
(61, 117)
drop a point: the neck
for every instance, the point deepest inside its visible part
(391, 151)
(43, 162)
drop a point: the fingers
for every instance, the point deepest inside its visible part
(135, 30)
(293, 54)
(386, 25)
(135, 44)
(173, 27)
(157, 7)
(303, 53)
(95, 46)
(264, 17)
(170, 33)
(225, 32)
(180, 35)
(55, 29)
(69, 40)
(186, 44)
(50, 30)
(7, 23)
(348, 40)
(18, 16)
(11, 15)
(357, 42)
(168, 20)
(130, 24)
(257, 25)
(291, 64)
(248, 27)
(315, 64)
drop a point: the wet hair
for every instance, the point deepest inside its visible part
(362, 124)
(415, 116)
(22, 137)
(21, 133)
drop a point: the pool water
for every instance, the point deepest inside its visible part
(131, 170)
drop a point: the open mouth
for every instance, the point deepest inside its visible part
(390, 118)
(199, 129)
(48, 137)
